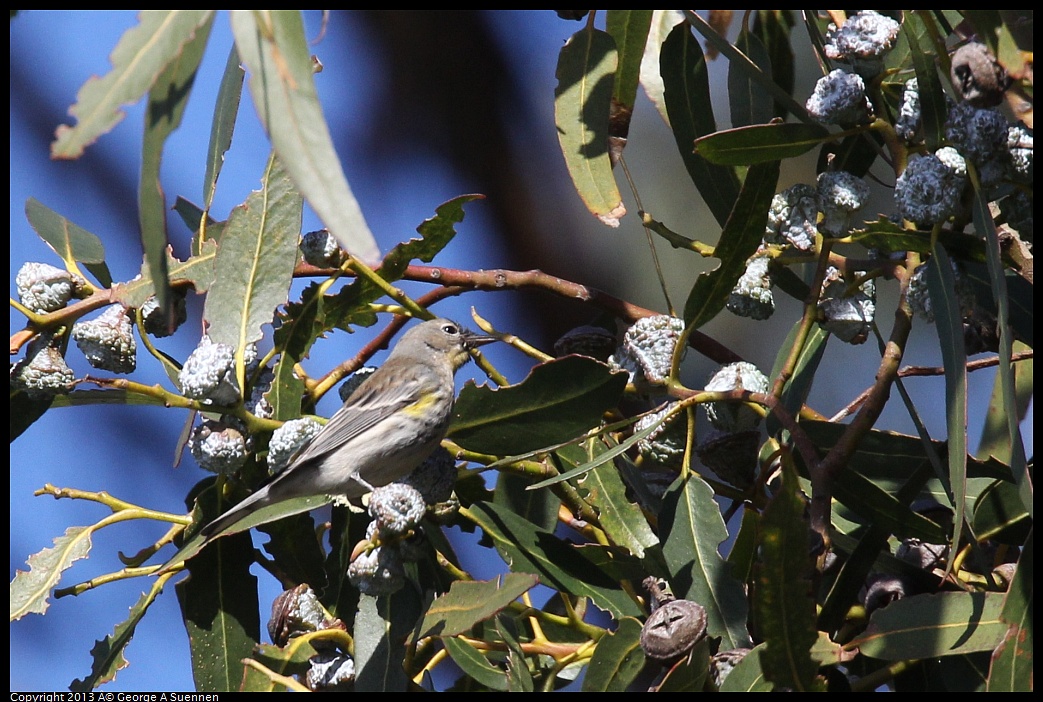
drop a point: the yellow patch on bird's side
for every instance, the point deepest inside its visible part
(421, 406)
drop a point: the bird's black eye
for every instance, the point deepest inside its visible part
(451, 329)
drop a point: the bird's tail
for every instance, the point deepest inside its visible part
(251, 504)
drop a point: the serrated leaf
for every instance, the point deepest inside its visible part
(29, 589)
(468, 603)
(691, 529)
(941, 284)
(558, 563)
(930, 625)
(617, 660)
(223, 124)
(760, 143)
(139, 57)
(582, 100)
(474, 664)
(272, 45)
(559, 400)
(750, 104)
(604, 490)
(740, 238)
(165, 107)
(783, 602)
(107, 654)
(71, 242)
(198, 271)
(690, 108)
(255, 261)
(435, 234)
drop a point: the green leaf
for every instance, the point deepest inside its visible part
(783, 602)
(604, 490)
(1012, 669)
(984, 223)
(220, 608)
(559, 400)
(663, 21)
(691, 529)
(795, 391)
(468, 603)
(435, 234)
(629, 29)
(750, 104)
(941, 283)
(617, 660)
(582, 102)
(1000, 515)
(760, 143)
(519, 678)
(279, 510)
(933, 108)
(140, 56)
(474, 664)
(107, 654)
(689, 673)
(197, 271)
(165, 107)
(558, 563)
(30, 589)
(223, 124)
(255, 261)
(273, 47)
(687, 97)
(382, 625)
(995, 439)
(930, 625)
(748, 675)
(739, 240)
(773, 27)
(72, 243)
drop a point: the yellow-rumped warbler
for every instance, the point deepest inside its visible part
(385, 429)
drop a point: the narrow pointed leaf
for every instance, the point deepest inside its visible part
(582, 102)
(760, 143)
(749, 102)
(468, 603)
(381, 627)
(930, 625)
(691, 529)
(688, 103)
(71, 242)
(559, 400)
(941, 283)
(739, 240)
(1011, 669)
(617, 660)
(223, 124)
(141, 54)
(165, 107)
(984, 223)
(663, 22)
(933, 108)
(474, 664)
(276, 52)
(255, 260)
(783, 602)
(558, 563)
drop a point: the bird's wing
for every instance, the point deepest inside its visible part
(371, 404)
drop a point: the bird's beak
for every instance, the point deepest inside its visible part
(473, 341)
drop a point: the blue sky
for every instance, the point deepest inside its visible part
(130, 451)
